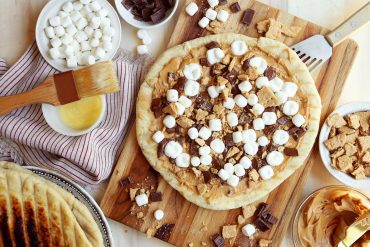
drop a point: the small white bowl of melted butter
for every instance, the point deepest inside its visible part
(76, 118)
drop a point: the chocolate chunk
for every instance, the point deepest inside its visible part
(246, 65)
(146, 12)
(212, 45)
(161, 146)
(128, 4)
(262, 225)
(261, 209)
(229, 140)
(271, 147)
(155, 196)
(270, 109)
(218, 240)
(172, 75)
(193, 148)
(164, 232)
(245, 118)
(126, 181)
(231, 76)
(283, 120)
(180, 84)
(203, 102)
(209, 140)
(216, 163)
(204, 62)
(290, 151)
(235, 7)
(171, 130)
(157, 105)
(268, 130)
(297, 132)
(264, 218)
(235, 90)
(222, 2)
(271, 219)
(257, 163)
(260, 151)
(158, 15)
(270, 73)
(247, 16)
(207, 176)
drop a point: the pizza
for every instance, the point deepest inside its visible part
(227, 118)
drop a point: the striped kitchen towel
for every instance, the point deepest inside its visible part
(26, 138)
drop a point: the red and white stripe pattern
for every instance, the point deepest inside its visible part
(26, 138)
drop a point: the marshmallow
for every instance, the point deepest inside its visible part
(213, 92)
(95, 22)
(290, 89)
(205, 133)
(141, 34)
(141, 199)
(290, 108)
(222, 15)
(72, 62)
(49, 31)
(215, 55)
(280, 137)
(107, 45)
(298, 120)
(89, 60)
(237, 137)
(205, 150)
(239, 170)
(249, 135)
(59, 31)
(213, 3)
(68, 50)
(238, 47)
(215, 124)
(106, 38)
(240, 101)
(142, 49)
(232, 119)
(105, 22)
(94, 42)
(147, 40)
(258, 124)
(66, 39)
(211, 14)
(206, 160)
(191, 88)
(245, 86)
(263, 141)
(218, 146)
(81, 23)
(89, 32)
(169, 121)
(223, 174)
(195, 161)
(252, 99)
(97, 34)
(262, 81)
(282, 97)
(55, 21)
(81, 36)
(99, 53)
(158, 136)
(269, 118)
(62, 14)
(95, 6)
(193, 133)
(66, 21)
(77, 5)
(274, 158)
(85, 46)
(183, 160)
(229, 168)
(258, 109)
(173, 149)
(172, 95)
(185, 101)
(266, 172)
(229, 103)
(158, 214)
(71, 30)
(90, 15)
(248, 230)
(245, 162)
(61, 52)
(87, 7)
(259, 63)
(68, 7)
(203, 23)
(55, 42)
(54, 53)
(102, 12)
(233, 181)
(108, 31)
(192, 71)
(276, 84)
(75, 16)
(191, 9)
(251, 147)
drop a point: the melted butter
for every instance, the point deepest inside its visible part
(81, 114)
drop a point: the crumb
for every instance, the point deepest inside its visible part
(248, 211)
(133, 193)
(229, 231)
(264, 243)
(274, 29)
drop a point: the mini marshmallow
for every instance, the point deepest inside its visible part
(204, 150)
(89, 60)
(61, 51)
(95, 6)
(158, 214)
(55, 42)
(232, 119)
(237, 137)
(274, 158)
(86, 11)
(108, 31)
(280, 137)
(252, 99)
(218, 146)
(85, 46)
(290, 108)
(229, 168)
(245, 86)
(239, 170)
(141, 199)
(213, 92)
(191, 9)
(240, 101)
(105, 22)
(263, 141)
(59, 31)
(95, 22)
(192, 71)
(259, 63)
(71, 30)
(203, 23)
(147, 40)
(99, 53)
(106, 38)
(191, 88)
(215, 55)
(195, 161)
(246, 162)
(213, 3)
(206, 160)
(258, 124)
(185, 101)
(68, 50)
(262, 81)
(142, 49)
(258, 109)
(66, 21)
(81, 36)
(72, 62)
(251, 147)
(81, 23)
(223, 174)
(85, 2)
(172, 95)
(222, 15)
(169, 121)
(97, 34)
(298, 120)
(282, 97)
(141, 33)
(276, 84)
(102, 12)
(290, 89)
(183, 160)
(94, 43)
(238, 47)
(248, 230)
(193, 133)
(215, 124)
(266, 172)
(211, 14)
(158, 136)
(173, 149)
(107, 45)
(269, 118)
(54, 53)
(66, 39)
(205, 133)
(89, 31)
(233, 181)
(229, 103)
(68, 7)
(180, 108)
(55, 21)
(49, 31)
(249, 135)
(77, 5)
(75, 16)
(62, 14)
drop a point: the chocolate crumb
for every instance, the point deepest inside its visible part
(222, 2)
(283, 120)
(180, 84)
(212, 45)
(218, 240)
(290, 151)
(204, 62)
(157, 105)
(155, 196)
(268, 130)
(235, 7)
(161, 146)
(126, 181)
(172, 75)
(247, 16)
(207, 175)
(264, 218)
(164, 232)
(229, 140)
(270, 73)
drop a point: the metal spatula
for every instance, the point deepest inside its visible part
(317, 49)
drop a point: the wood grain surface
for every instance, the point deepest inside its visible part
(187, 217)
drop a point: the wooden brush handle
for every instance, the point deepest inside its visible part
(44, 93)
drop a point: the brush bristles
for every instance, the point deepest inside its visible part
(96, 79)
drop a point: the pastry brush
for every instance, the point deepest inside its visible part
(66, 87)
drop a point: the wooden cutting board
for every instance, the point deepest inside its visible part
(187, 217)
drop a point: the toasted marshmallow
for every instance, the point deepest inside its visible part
(229, 168)
(158, 214)
(290, 89)
(213, 92)
(239, 170)
(205, 150)
(141, 199)
(270, 118)
(290, 108)
(192, 71)
(206, 160)
(248, 230)
(245, 162)
(249, 135)
(282, 97)
(262, 81)
(191, 9)
(213, 3)
(258, 124)
(275, 158)
(238, 47)
(185, 101)
(215, 55)
(218, 146)
(251, 147)
(263, 141)
(237, 137)
(259, 63)
(222, 15)
(158, 136)
(298, 120)
(252, 99)
(203, 23)
(245, 86)
(173, 149)
(169, 121)
(205, 133)
(223, 174)
(215, 124)
(280, 137)
(193, 133)
(211, 14)
(266, 172)
(172, 95)
(191, 88)
(183, 160)
(258, 109)
(232, 119)
(233, 181)
(195, 161)
(229, 103)
(240, 101)
(276, 84)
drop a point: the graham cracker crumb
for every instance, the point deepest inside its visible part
(253, 174)
(248, 211)
(185, 122)
(241, 220)
(264, 243)
(232, 151)
(133, 193)
(336, 142)
(267, 98)
(274, 29)
(335, 120)
(364, 142)
(229, 231)
(140, 215)
(201, 114)
(171, 109)
(366, 157)
(354, 121)
(350, 149)
(344, 163)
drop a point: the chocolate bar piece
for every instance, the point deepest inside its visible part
(148, 10)
(164, 232)
(155, 196)
(218, 240)
(126, 181)
(247, 17)
(235, 7)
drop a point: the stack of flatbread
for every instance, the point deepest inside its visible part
(36, 212)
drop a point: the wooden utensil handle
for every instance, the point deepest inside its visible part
(45, 93)
(355, 21)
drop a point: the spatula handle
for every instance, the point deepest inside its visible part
(45, 93)
(355, 21)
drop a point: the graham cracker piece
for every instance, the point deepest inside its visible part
(367, 171)
(241, 220)
(252, 73)
(344, 163)
(366, 157)
(171, 109)
(253, 175)
(364, 120)
(267, 98)
(335, 120)
(218, 109)
(185, 122)
(337, 153)
(201, 114)
(274, 29)
(202, 188)
(364, 142)
(351, 138)
(263, 26)
(336, 142)
(232, 151)
(353, 121)
(133, 193)
(229, 231)
(264, 243)
(346, 130)
(350, 149)
(290, 31)
(359, 172)
(248, 211)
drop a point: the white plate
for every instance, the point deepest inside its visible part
(51, 9)
(324, 152)
(81, 195)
